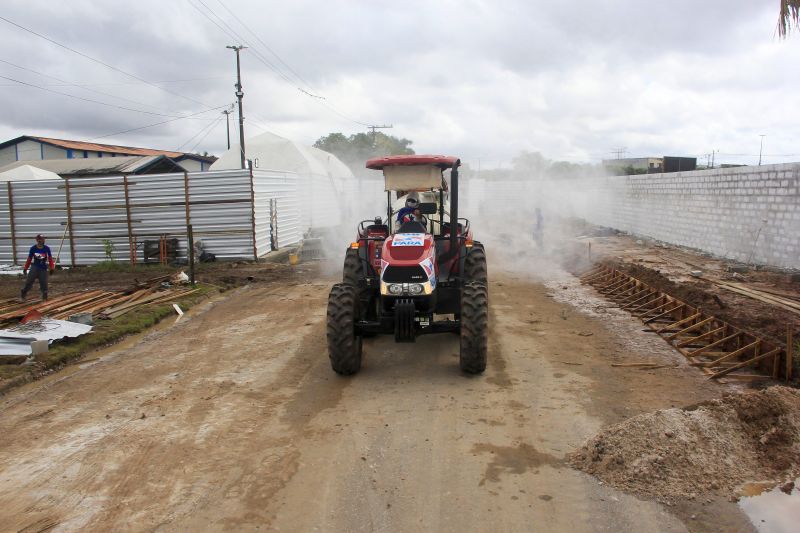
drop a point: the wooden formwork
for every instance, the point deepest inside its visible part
(714, 346)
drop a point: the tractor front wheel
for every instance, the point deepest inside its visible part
(344, 346)
(474, 327)
(475, 265)
(352, 270)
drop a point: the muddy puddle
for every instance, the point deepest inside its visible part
(771, 510)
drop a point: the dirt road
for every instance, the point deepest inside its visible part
(232, 420)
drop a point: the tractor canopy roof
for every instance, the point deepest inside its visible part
(441, 161)
(413, 172)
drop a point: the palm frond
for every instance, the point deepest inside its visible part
(789, 16)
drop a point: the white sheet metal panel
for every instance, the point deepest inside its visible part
(98, 217)
(285, 189)
(220, 210)
(39, 208)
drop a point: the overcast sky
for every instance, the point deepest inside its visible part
(573, 80)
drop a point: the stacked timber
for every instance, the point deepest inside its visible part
(102, 304)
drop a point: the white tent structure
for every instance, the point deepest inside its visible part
(323, 181)
(27, 173)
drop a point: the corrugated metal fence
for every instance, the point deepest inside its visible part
(234, 213)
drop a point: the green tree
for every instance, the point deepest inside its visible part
(789, 16)
(354, 150)
(529, 165)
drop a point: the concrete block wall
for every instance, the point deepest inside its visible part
(749, 214)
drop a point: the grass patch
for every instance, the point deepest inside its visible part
(105, 332)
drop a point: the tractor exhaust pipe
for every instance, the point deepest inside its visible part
(454, 209)
(453, 250)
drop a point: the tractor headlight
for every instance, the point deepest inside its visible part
(395, 288)
(415, 289)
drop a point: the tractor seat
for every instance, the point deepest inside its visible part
(411, 227)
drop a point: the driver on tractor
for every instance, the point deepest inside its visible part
(410, 212)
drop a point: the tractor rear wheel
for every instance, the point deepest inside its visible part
(474, 327)
(475, 265)
(344, 346)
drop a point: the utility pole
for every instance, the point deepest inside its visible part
(760, 149)
(620, 151)
(713, 153)
(239, 96)
(227, 114)
(376, 127)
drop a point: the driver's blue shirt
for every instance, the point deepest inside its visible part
(404, 211)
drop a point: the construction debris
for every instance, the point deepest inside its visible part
(17, 340)
(72, 314)
(103, 304)
(709, 343)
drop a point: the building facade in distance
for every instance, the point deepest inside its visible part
(29, 148)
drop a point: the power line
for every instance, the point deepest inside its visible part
(91, 100)
(155, 124)
(213, 125)
(258, 55)
(271, 51)
(200, 132)
(120, 82)
(85, 88)
(98, 61)
(230, 32)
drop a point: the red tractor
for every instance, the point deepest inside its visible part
(419, 271)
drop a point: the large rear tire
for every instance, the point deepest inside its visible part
(344, 346)
(475, 268)
(474, 327)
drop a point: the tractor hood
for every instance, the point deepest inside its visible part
(404, 249)
(409, 258)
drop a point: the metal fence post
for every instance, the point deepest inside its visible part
(69, 223)
(253, 214)
(11, 223)
(190, 237)
(188, 213)
(273, 223)
(131, 244)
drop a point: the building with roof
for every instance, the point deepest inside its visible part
(650, 165)
(105, 166)
(29, 148)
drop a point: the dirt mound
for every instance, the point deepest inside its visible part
(713, 446)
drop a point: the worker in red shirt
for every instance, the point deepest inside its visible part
(40, 261)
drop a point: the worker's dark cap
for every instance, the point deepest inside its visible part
(40, 237)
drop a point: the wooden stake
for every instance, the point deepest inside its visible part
(744, 364)
(789, 352)
(691, 328)
(754, 345)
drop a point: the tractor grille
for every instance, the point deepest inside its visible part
(404, 274)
